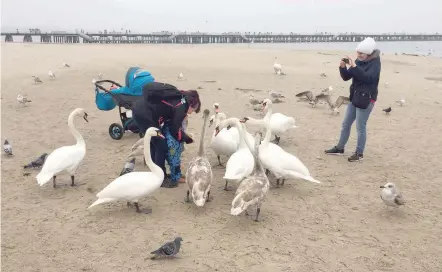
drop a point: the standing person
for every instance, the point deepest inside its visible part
(365, 73)
(165, 107)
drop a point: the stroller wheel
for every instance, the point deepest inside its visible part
(116, 131)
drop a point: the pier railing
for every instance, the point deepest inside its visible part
(204, 38)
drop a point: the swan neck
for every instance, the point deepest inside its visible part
(242, 137)
(74, 131)
(203, 132)
(266, 120)
(152, 166)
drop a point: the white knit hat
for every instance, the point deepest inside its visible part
(367, 46)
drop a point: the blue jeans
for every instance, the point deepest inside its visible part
(174, 150)
(361, 116)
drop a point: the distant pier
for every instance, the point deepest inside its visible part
(206, 38)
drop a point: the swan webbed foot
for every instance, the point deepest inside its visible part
(246, 213)
(277, 183)
(227, 188)
(267, 172)
(54, 184)
(258, 210)
(145, 210)
(282, 182)
(187, 199)
(128, 204)
(209, 197)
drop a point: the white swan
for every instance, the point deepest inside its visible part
(66, 157)
(277, 67)
(226, 142)
(135, 185)
(281, 163)
(253, 189)
(240, 164)
(199, 174)
(279, 123)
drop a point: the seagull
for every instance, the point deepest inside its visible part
(38, 162)
(401, 102)
(7, 147)
(181, 76)
(387, 110)
(22, 100)
(51, 75)
(169, 249)
(128, 167)
(275, 94)
(327, 90)
(308, 95)
(37, 79)
(66, 65)
(333, 106)
(391, 196)
(253, 100)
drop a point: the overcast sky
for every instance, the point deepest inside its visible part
(300, 16)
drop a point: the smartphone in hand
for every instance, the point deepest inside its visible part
(345, 60)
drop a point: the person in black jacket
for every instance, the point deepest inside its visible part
(365, 73)
(165, 107)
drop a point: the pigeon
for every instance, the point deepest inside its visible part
(22, 100)
(253, 100)
(181, 76)
(275, 94)
(128, 167)
(7, 147)
(169, 249)
(37, 79)
(401, 102)
(387, 110)
(391, 196)
(51, 75)
(66, 65)
(38, 162)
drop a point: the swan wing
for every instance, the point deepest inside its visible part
(280, 162)
(239, 165)
(131, 186)
(63, 158)
(281, 122)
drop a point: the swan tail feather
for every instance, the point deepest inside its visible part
(238, 205)
(311, 179)
(101, 201)
(43, 178)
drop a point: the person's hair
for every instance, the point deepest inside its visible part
(193, 98)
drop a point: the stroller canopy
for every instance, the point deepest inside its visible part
(136, 78)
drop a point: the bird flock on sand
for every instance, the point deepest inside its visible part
(250, 159)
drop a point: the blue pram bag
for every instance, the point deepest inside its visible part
(136, 78)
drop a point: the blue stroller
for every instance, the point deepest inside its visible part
(123, 97)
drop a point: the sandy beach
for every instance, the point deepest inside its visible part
(339, 225)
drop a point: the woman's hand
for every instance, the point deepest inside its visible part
(342, 64)
(351, 63)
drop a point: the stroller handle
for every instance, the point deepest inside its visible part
(97, 84)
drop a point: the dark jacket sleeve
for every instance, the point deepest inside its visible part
(176, 123)
(371, 76)
(345, 74)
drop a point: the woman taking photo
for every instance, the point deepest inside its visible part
(165, 107)
(364, 72)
